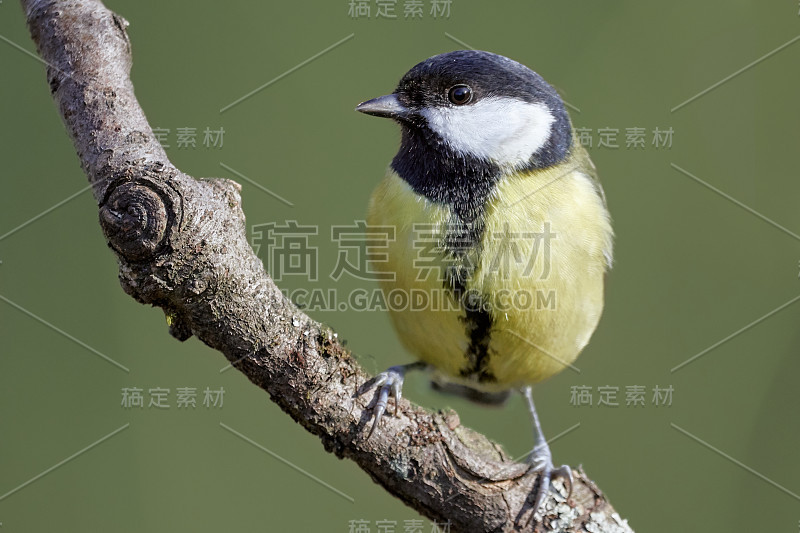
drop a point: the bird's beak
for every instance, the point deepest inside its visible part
(388, 106)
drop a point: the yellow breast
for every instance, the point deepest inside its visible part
(539, 271)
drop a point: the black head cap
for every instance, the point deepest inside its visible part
(487, 74)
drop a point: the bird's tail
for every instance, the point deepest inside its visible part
(485, 398)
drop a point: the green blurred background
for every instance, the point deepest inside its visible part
(692, 267)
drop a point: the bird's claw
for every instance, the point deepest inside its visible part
(543, 465)
(388, 383)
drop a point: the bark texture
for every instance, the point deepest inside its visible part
(181, 245)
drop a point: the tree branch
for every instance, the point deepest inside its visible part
(181, 245)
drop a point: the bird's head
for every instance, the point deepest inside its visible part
(479, 107)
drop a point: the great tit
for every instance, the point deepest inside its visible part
(499, 220)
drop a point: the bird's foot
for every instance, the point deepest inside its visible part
(542, 463)
(389, 383)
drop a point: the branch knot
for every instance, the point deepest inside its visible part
(136, 217)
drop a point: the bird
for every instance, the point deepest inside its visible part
(499, 219)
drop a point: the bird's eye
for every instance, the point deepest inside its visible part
(460, 94)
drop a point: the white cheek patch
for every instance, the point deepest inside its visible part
(506, 131)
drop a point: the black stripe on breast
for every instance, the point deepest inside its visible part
(462, 246)
(464, 184)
